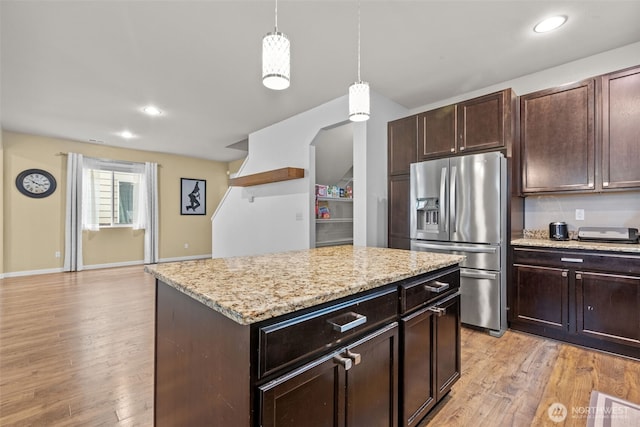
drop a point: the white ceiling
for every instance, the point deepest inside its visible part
(82, 70)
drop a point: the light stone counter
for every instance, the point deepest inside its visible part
(632, 248)
(256, 288)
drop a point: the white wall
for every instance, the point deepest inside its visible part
(610, 209)
(280, 216)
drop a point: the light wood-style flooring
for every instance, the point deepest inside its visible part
(76, 349)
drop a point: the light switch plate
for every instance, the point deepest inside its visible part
(579, 214)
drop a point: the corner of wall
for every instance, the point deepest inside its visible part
(2, 206)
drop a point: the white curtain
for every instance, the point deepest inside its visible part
(82, 211)
(73, 220)
(90, 194)
(149, 213)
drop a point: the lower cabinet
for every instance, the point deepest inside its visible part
(430, 353)
(608, 307)
(586, 298)
(354, 386)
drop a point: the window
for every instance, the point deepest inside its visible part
(116, 197)
(111, 194)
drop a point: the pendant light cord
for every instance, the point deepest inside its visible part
(276, 16)
(359, 79)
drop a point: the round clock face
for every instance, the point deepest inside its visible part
(36, 183)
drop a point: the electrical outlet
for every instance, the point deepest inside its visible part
(579, 214)
(57, 254)
(186, 246)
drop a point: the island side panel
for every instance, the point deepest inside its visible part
(202, 367)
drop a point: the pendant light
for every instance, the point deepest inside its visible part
(276, 59)
(359, 91)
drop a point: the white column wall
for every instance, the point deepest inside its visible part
(278, 216)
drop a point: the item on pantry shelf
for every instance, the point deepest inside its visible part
(342, 192)
(321, 190)
(349, 191)
(323, 210)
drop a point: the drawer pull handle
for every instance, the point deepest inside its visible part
(347, 321)
(354, 356)
(571, 259)
(436, 286)
(438, 311)
(345, 362)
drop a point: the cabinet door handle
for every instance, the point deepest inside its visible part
(577, 260)
(347, 321)
(565, 274)
(438, 311)
(578, 276)
(345, 362)
(354, 356)
(436, 286)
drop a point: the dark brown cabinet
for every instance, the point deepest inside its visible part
(430, 348)
(542, 296)
(608, 307)
(437, 133)
(557, 134)
(402, 145)
(399, 237)
(484, 122)
(620, 129)
(354, 386)
(582, 297)
(478, 124)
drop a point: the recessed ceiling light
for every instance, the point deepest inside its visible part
(152, 110)
(550, 24)
(126, 134)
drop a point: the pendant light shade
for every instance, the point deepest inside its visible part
(359, 91)
(276, 61)
(359, 101)
(276, 58)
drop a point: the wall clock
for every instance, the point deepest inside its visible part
(36, 183)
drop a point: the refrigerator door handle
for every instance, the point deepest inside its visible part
(474, 274)
(453, 206)
(459, 248)
(443, 200)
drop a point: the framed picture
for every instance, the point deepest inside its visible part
(193, 196)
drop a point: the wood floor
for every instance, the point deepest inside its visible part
(76, 349)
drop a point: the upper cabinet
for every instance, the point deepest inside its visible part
(478, 124)
(621, 129)
(437, 132)
(403, 147)
(582, 137)
(558, 138)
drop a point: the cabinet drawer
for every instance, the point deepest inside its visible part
(418, 292)
(620, 263)
(297, 339)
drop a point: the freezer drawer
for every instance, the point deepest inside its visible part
(478, 256)
(480, 298)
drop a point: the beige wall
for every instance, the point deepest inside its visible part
(34, 228)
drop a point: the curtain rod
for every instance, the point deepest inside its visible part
(108, 160)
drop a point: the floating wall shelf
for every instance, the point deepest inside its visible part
(276, 175)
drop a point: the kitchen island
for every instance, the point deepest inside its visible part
(309, 337)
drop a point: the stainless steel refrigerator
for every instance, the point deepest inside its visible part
(458, 205)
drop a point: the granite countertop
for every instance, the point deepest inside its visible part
(633, 248)
(255, 288)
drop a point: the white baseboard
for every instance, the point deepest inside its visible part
(32, 272)
(99, 266)
(112, 265)
(184, 258)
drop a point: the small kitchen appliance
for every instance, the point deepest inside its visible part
(558, 231)
(608, 234)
